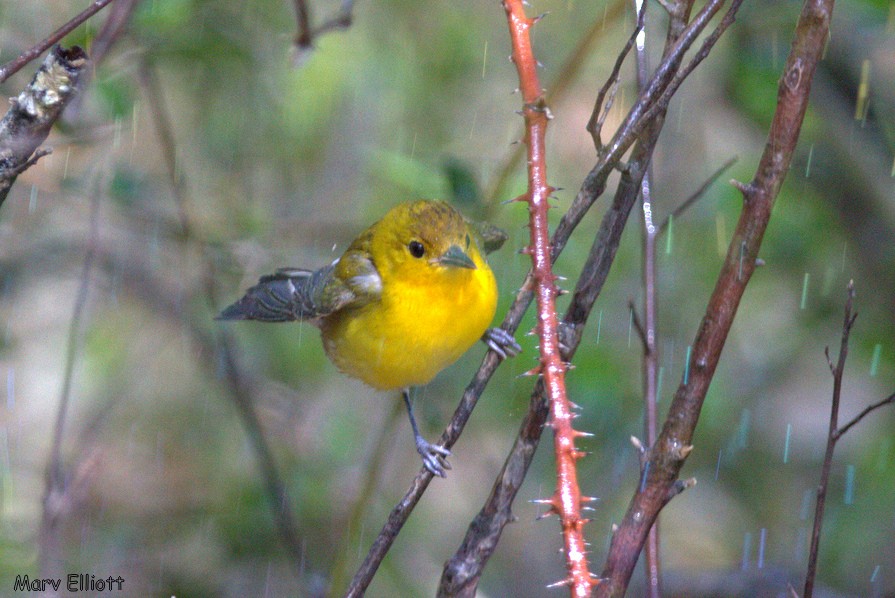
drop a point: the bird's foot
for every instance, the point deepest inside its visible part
(501, 342)
(434, 457)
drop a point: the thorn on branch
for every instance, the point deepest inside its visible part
(678, 487)
(747, 189)
(535, 371)
(567, 582)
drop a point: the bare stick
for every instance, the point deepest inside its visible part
(114, 27)
(13, 66)
(667, 455)
(697, 195)
(601, 106)
(241, 387)
(648, 333)
(306, 34)
(57, 494)
(865, 412)
(833, 437)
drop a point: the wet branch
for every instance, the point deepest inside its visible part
(833, 437)
(666, 457)
(32, 113)
(485, 530)
(567, 499)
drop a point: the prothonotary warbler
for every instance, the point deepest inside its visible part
(407, 298)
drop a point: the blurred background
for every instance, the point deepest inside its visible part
(203, 153)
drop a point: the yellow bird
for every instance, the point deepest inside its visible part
(408, 297)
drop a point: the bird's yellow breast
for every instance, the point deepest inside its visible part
(423, 322)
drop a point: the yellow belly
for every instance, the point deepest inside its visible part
(412, 333)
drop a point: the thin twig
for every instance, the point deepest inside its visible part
(648, 334)
(13, 66)
(116, 23)
(835, 433)
(306, 34)
(635, 321)
(303, 18)
(837, 371)
(57, 494)
(696, 195)
(241, 387)
(601, 106)
(865, 412)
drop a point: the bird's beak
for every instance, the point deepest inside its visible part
(455, 256)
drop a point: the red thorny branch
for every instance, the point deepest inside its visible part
(567, 500)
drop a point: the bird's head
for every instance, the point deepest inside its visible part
(426, 242)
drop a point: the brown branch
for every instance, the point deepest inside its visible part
(666, 457)
(462, 572)
(242, 388)
(306, 34)
(601, 105)
(58, 495)
(865, 412)
(835, 433)
(13, 66)
(114, 27)
(32, 113)
(567, 500)
(838, 370)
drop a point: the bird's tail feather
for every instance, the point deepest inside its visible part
(280, 297)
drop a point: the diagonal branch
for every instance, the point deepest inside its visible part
(32, 113)
(833, 437)
(864, 412)
(588, 288)
(667, 456)
(15, 65)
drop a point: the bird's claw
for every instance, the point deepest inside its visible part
(501, 342)
(434, 457)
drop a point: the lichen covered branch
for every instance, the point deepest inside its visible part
(32, 113)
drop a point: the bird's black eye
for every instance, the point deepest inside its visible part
(416, 249)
